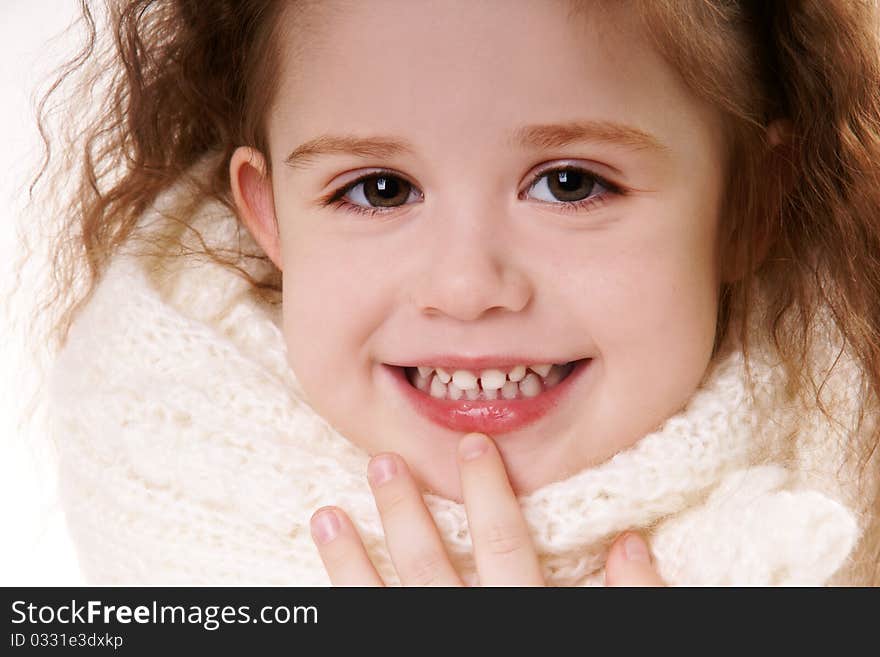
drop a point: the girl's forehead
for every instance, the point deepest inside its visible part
(392, 42)
(475, 71)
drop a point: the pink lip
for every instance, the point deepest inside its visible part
(477, 363)
(493, 417)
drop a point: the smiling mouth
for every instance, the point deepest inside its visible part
(462, 386)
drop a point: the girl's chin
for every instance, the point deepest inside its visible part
(444, 481)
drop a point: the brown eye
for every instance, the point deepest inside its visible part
(384, 191)
(568, 184)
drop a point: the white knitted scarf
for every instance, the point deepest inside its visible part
(188, 454)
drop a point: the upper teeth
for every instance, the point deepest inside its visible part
(492, 379)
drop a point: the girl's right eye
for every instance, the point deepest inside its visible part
(373, 194)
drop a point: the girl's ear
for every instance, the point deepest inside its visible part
(779, 169)
(252, 191)
(779, 132)
(736, 267)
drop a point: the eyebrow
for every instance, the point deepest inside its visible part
(535, 137)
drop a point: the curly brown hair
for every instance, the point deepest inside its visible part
(186, 78)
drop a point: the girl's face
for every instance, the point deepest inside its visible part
(550, 192)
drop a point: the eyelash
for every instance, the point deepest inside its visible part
(337, 197)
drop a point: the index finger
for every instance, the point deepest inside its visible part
(503, 549)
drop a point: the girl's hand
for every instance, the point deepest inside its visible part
(503, 549)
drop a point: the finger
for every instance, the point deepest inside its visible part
(341, 549)
(503, 548)
(413, 542)
(629, 563)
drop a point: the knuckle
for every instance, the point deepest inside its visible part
(502, 540)
(338, 554)
(394, 503)
(424, 569)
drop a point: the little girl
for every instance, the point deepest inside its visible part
(624, 254)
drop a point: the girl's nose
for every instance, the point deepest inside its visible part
(471, 269)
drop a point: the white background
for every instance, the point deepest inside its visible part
(34, 548)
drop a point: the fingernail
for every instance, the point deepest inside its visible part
(381, 469)
(636, 549)
(472, 446)
(325, 526)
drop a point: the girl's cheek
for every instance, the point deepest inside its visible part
(655, 295)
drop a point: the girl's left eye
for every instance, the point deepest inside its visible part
(571, 188)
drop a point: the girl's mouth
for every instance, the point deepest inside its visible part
(522, 384)
(493, 404)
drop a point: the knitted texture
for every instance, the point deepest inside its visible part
(189, 454)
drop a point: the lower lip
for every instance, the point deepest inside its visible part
(495, 417)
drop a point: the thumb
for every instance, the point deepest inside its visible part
(629, 563)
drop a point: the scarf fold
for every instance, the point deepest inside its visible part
(190, 455)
